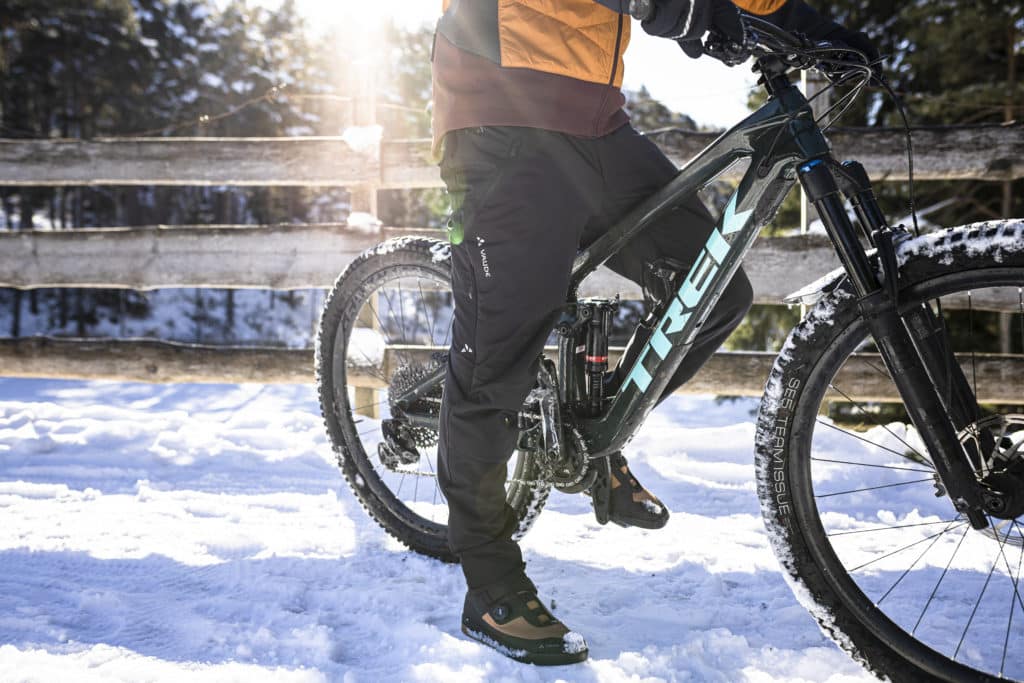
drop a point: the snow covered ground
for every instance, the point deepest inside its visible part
(202, 533)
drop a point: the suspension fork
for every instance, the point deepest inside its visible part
(926, 328)
(911, 370)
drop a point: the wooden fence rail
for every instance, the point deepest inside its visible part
(955, 153)
(312, 256)
(294, 257)
(730, 373)
(291, 257)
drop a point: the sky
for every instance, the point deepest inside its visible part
(705, 89)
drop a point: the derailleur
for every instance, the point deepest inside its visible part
(398, 446)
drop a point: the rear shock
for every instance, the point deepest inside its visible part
(583, 354)
(598, 330)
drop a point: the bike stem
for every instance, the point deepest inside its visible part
(911, 370)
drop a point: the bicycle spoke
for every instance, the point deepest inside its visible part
(403, 356)
(890, 528)
(1009, 618)
(881, 371)
(869, 442)
(859, 407)
(866, 464)
(914, 563)
(873, 488)
(401, 314)
(369, 405)
(970, 334)
(437, 489)
(906, 547)
(387, 340)
(977, 603)
(426, 313)
(1006, 562)
(369, 431)
(938, 583)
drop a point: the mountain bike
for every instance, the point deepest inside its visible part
(889, 454)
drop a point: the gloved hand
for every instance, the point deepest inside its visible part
(686, 20)
(799, 17)
(724, 17)
(856, 40)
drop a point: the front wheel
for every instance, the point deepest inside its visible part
(385, 328)
(860, 524)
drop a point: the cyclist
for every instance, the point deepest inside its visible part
(539, 159)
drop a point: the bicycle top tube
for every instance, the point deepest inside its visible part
(783, 128)
(776, 139)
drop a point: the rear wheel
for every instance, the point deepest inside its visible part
(875, 549)
(384, 328)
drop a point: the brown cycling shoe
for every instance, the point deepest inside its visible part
(631, 504)
(517, 625)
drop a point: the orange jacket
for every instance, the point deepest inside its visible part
(576, 38)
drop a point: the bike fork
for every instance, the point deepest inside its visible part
(934, 391)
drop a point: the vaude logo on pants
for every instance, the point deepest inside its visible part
(483, 257)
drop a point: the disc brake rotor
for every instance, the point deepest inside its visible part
(1006, 460)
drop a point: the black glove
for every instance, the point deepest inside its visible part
(841, 36)
(799, 17)
(686, 20)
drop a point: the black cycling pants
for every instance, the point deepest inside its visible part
(524, 200)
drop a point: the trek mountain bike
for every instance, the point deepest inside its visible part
(889, 453)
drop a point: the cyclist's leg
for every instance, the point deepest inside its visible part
(634, 168)
(519, 198)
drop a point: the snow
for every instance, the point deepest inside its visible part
(188, 315)
(204, 532)
(364, 222)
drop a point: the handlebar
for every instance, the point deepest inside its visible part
(764, 39)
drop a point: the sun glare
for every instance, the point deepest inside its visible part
(372, 14)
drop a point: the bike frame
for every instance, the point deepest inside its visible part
(784, 144)
(777, 138)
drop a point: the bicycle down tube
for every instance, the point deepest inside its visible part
(776, 139)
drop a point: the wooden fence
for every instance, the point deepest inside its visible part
(954, 153)
(291, 257)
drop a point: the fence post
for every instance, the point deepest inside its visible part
(364, 197)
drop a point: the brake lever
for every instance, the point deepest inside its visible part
(727, 51)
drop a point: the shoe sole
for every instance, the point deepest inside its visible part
(538, 659)
(640, 523)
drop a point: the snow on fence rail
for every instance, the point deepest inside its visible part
(942, 153)
(731, 373)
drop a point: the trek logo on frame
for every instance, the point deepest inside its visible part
(690, 293)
